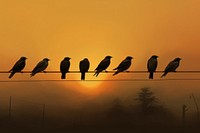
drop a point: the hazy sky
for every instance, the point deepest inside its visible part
(94, 29)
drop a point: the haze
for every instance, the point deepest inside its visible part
(93, 29)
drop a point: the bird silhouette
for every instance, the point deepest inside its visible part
(41, 66)
(64, 67)
(172, 66)
(124, 65)
(152, 65)
(18, 67)
(103, 65)
(84, 67)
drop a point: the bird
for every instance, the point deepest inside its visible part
(103, 65)
(41, 66)
(64, 67)
(124, 65)
(152, 65)
(18, 67)
(172, 66)
(84, 67)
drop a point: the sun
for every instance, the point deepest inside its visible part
(92, 82)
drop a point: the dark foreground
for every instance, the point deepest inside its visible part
(62, 128)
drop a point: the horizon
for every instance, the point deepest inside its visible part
(93, 29)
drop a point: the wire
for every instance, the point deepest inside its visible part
(109, 80)
(187, 71)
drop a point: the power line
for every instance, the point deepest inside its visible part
(52, 71)
(108, 80)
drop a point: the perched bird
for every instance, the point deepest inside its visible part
(41, 66)
(124, 65)
(84, 67)
(103, 65)
(172, 66)
(18, 67)
(64, 67)
(152, 65)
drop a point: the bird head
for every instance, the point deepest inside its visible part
(177, 59)
(108, 57)
(46, 59)
(23, 58)
(129, 57)
(85, 59)
(154, 56)
(67, 58)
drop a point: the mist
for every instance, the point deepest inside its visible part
(68, 109)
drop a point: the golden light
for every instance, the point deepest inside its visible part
(94, 82)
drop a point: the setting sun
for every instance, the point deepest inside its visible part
(69, 31)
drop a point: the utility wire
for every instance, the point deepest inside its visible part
(108, 80)
(51, 71)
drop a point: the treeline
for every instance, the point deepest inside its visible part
(147, 114)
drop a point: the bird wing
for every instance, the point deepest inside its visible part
(152, 65)
(103, 64)
(19, 65)
(171, 66)
(84, 66)
(125, 64)
(41, 66)
(64, 66)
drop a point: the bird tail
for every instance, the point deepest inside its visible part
(82, 75)
(165, 73)
(96, 73)
(115, 73)
(151, 75)
(115, 68)
(32, 74)
(63, 75)
(12, 73)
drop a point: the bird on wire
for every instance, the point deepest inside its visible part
(40, 67)
(152, 65)
(172, 66)
(124, 65)
(18, 67)
(64, 67)
(103, 65)
(84, 67)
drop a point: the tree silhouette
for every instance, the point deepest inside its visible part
(150, 110)
(146, 99)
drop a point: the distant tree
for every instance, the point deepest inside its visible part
(146, 99)
(150, 109)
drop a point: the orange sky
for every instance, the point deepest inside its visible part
(96, 28)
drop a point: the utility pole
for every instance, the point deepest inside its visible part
(9, 108)
(184, 110)
(43, 113)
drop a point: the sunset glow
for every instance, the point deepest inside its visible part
(94, 29)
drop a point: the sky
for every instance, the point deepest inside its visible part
(96, 28)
